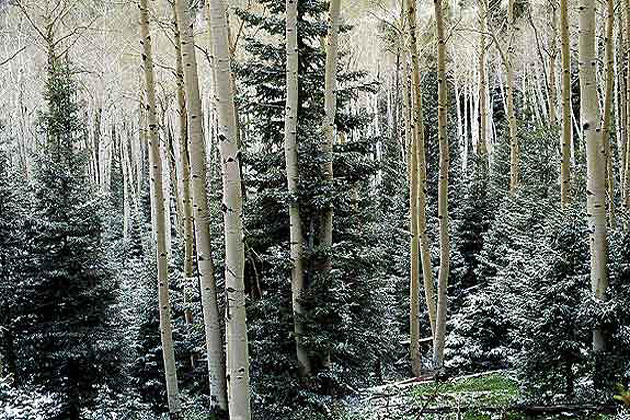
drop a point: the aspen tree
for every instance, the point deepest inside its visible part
(291, 156)
(166, 333)
(440, 325)
(608, 108)
(197, 154)
(328, 125)
(566, 139)
(626, 171)
(514, 146)
(553, 55)
(420, 165)
(237, 351)
(595, 159)
(482, 148)
(622, 116)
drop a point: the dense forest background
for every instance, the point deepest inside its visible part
(266, 210)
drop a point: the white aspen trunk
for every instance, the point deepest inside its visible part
(291, 155)
(420, 190)
(595, 158)
(237, 351)
(553, 90)
(626, 171)
(482, 148)
(608, 109)
(197, 155)
(440, 323)
(475, 104)
(511, 114)
(566, 139)
(328, 125)
(466, 122)
(166, 333)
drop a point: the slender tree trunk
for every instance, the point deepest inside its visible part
(425, 254)
(291, 156)
(595, 158)
(553, 91)
(608, 108)
(626, 171)
(186, 200)
(238, 357)
(440, 326)
(483, 87)
(514, 146)
(621, 100)
(565, 143)
(166, 333)
(211, 317)
(330, 109)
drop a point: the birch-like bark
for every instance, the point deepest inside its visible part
(514, 146)
(483, 87)
(608, 108)
(621, 100)
(291, 156)
(213, 330)
(328, 125)
(166, 333)
(184, 160)
(595, 159)
(440, 325)
(423, 237)
(553, 55)
(237, 351)
(565, 141)
(626, 171)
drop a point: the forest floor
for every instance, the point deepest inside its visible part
(494, 395)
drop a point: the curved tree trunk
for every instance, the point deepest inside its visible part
(565, 143)
(595, 158)
(166, 333)
(291, 156)
(237, 351)
(440, 325)
(213, 330)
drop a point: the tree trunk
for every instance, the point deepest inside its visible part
(483, 87)
(626, 170)
(330, 109)
(291, 156)
(553, 95)
(440, 326)
(514, 146)
(197, 156)
(608, 108)
(166, 334)
(238, 358)
(565, 143)
(419, 152)
(595, 158)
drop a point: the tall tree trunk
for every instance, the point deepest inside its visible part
(440, 326)
(419, 152)
(291, 156)
(197, 156)
(166, 333)
(514, 146)
(483, 87)
(626, 171)
(608, 108)
(595, 158)
(330, 110)
(621, 99)
(553, 92)
(565, 143)
(238, 358)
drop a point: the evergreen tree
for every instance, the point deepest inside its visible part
(65, 335)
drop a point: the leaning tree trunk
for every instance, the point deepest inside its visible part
(565, 144)
(608, 107)
(440, 325)
(419, 152)
(238, 357)
(330, 110)
(509, 69)
(211, 317)
(291, 156)
(595, 158)
(166, 333)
